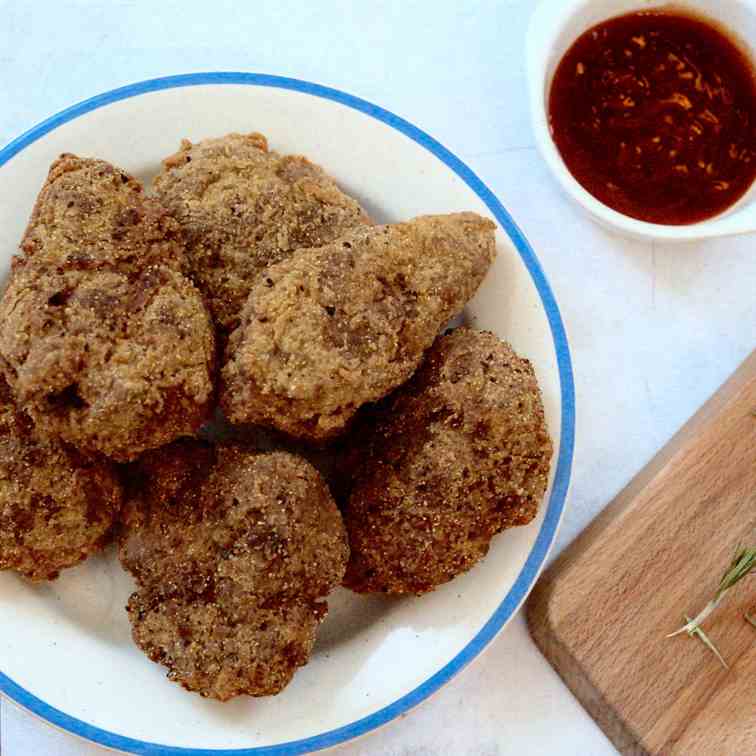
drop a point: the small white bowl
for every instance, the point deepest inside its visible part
(555, 25)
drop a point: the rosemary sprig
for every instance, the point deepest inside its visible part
(749, 619)
(697, 632)
(742, 565)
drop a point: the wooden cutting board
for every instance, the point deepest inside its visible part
(601, 612)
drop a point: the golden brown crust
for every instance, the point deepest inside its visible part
(244, 207)
(89, 213)
(456, 455)
(234, 553)
(220, 652)
(109, 362)
(334, 327)
(103, 340)
(56, 506)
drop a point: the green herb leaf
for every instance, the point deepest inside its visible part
(742, 565)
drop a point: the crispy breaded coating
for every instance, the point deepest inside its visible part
(244, 207)
(56, 506)
(455, 456)
(234, 553)
(89, 212)
(104, 342)
(109, 362)
(222, 651)
(338, 326)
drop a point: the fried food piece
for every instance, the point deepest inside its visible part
(272, 510)
(341, 325)
(244, 207)
(103, 340)
(112, 363)
(90, 213)
(458, 454)
(56, 506)
(222, 652)
(234, 553)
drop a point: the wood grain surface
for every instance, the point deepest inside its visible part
(600, 614)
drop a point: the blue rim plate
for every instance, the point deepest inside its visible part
(555, 506)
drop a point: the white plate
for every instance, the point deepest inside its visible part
(65, 648)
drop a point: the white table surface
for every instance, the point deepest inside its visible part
(653, 329)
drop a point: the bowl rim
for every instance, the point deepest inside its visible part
(555, 507)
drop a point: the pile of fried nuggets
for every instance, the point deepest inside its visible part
(249, 280)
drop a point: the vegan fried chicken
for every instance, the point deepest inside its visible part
(56, 506)
(455, 456)
(104, 342)
(335, 327)
(234, 553)
(244, 207)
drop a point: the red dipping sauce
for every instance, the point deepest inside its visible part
(654, 113)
